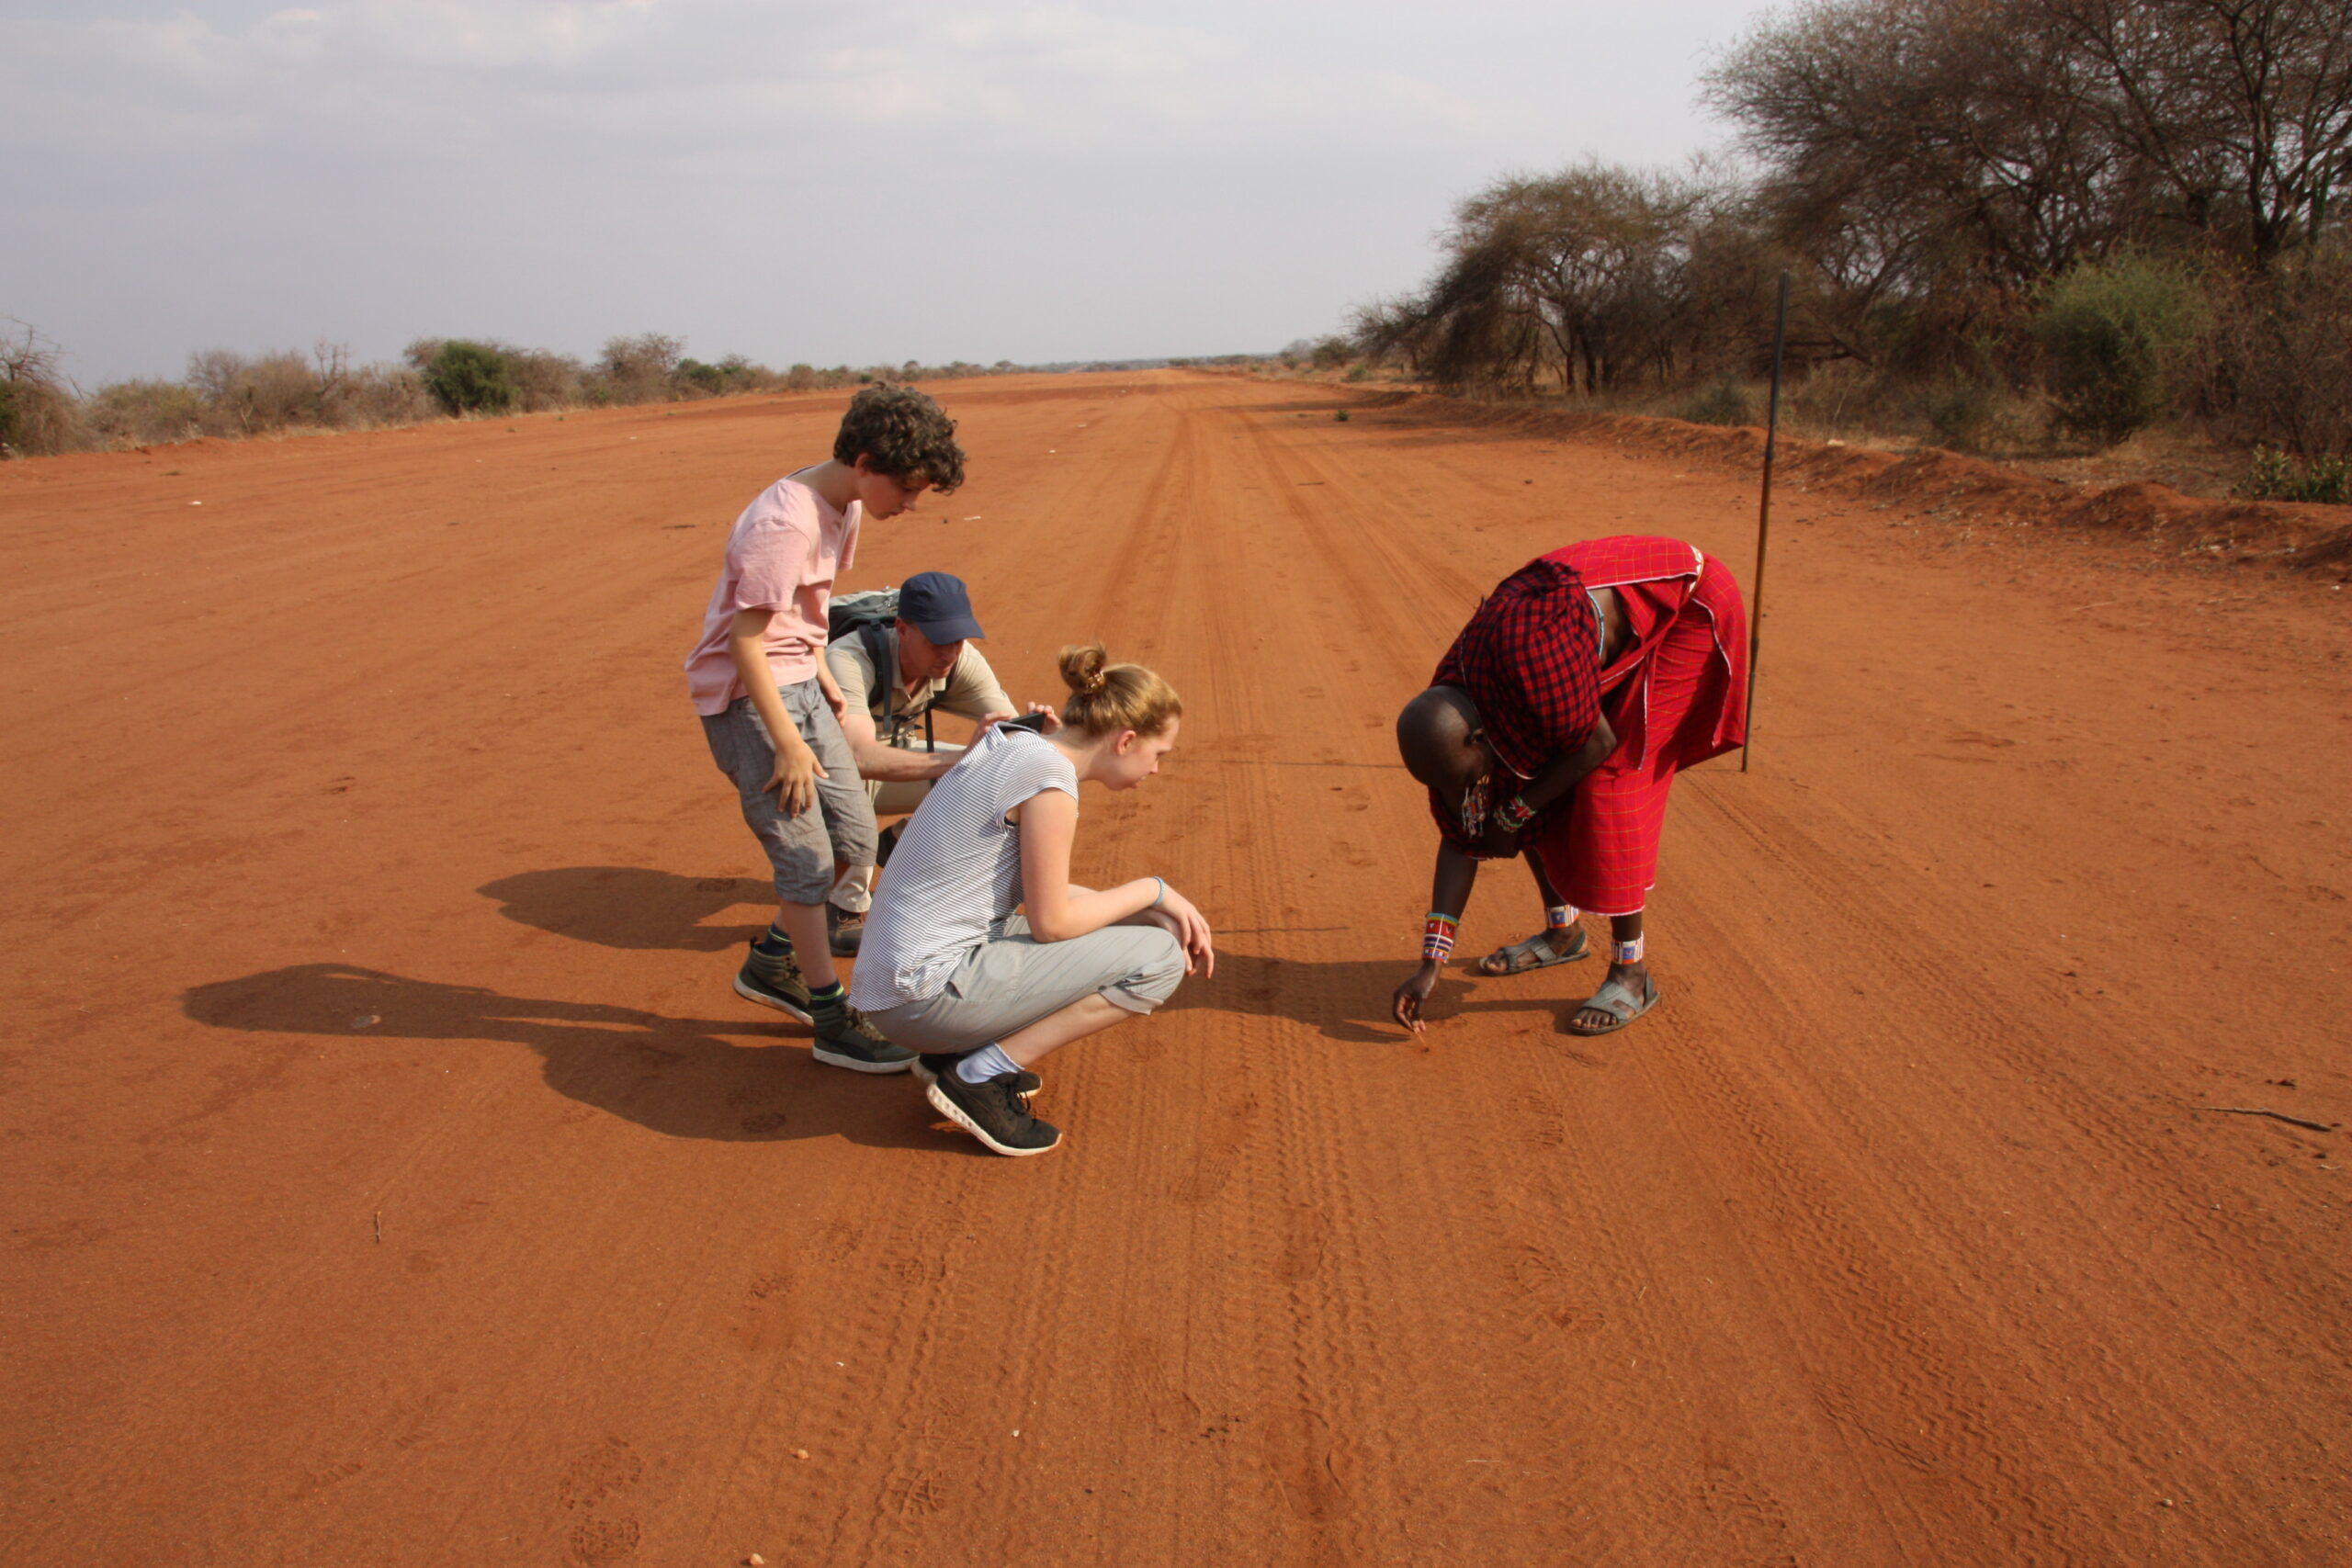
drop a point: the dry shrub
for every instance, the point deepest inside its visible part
(389, 394)
(1979, 414)
(256, 395)
(144, 414)
(38, 410)
(635, 369)
(542, 379)
(2280, 355)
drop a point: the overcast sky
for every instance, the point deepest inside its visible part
(840, 182)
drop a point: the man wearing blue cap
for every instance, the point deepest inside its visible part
(892, 675)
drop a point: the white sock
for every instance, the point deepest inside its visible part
(988, 1061)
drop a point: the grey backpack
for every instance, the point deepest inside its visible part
(869, 615)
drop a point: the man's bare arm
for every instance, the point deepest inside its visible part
(1450, 887)
(1563, 772)
(888, 764)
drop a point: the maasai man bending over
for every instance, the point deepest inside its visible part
(1556, 724)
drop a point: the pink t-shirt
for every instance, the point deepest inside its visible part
(781, 555)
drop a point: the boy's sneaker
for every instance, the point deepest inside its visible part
(847, 1038)
(939, 1064)
(774, 980)
(993, 1113)
(843, 931)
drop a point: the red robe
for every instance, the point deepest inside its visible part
(1675, 697)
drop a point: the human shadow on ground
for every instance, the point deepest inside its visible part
(1349, 998)
(633, 906)
(639, 908)
(676, 1076)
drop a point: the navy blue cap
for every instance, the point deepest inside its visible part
(938, 606)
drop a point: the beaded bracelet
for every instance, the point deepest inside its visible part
(1559, 917)
(1513, 815)
(1627, 952)
(1437, 935)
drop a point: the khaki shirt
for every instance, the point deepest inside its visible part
(969, 689)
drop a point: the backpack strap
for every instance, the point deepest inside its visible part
(882, 650)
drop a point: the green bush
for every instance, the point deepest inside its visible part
(1725, 402)
(1970, 413)
(2274, 476)
(693, 376)
(2117, 333)
(470, 377)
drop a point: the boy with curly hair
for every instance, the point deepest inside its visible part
(771, 710)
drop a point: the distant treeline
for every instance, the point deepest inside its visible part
(2014, 218)
(231, 394)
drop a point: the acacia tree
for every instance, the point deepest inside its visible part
(2006, 140)
(2242, 108)
(1581, 278)
(1933, 162)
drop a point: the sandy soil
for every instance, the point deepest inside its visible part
(393, 1179)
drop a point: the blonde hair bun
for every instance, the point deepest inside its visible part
(1107, 697)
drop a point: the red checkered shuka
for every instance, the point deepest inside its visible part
(1679, 696)
(1530, 661)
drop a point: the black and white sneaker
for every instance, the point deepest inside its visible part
(993, 1113)
(932, 1065)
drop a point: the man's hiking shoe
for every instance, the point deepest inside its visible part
(934, 1064)
(847, 1038)
(993, 1113)
(843, 931)
(774, 980)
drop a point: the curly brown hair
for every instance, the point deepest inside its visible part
(901, 433)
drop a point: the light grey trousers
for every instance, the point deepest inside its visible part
(1011, 980)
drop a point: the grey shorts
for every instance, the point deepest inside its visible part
(1011, 981)
(839, 827)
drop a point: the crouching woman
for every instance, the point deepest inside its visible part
(949, 970)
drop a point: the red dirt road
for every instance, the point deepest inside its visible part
(393, 1179)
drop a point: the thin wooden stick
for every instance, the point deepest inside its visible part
(1764, 514)
(2274, 1115)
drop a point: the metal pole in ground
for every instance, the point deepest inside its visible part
(1764, 514)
